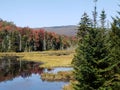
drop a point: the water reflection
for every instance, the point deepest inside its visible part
(15, 73)
(11, 67)
(57, 69)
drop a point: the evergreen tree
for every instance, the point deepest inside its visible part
(85, 25)
(90, 61)
(113, 70)
(113, 81)
(102, 19)
(95, 14)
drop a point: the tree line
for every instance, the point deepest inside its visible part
(20, 39)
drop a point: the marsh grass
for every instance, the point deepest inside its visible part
(50, 59)
(60, 76)
(68, 86)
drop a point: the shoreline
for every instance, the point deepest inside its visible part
(49, 59)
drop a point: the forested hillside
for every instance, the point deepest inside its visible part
(13, 38)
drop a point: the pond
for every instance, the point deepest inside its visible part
(57, 69)
(19, 75)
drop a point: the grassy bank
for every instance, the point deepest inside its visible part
(60, 76)
(50, 59)
(68, 86)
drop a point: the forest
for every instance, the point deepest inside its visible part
(21, 39)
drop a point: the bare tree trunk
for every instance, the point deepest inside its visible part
(9, 46)
(20, 44)
(44, 43)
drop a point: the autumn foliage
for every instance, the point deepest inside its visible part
(13, 38)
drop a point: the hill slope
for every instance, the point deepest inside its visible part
(69, 30)
(63, 30)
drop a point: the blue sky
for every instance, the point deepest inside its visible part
(41, 13)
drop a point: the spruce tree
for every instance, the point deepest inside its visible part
(113, 59)
(85, 25)
(90, 59)
(113, 81)
(102, 18)
(95, 14)
(97, 62)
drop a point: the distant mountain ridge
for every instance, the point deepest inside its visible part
(69, 30)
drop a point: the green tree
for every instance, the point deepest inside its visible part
(113, 70)
(113, 81)
(95, 14)
(102, 19)
(90, 59)
(84, 27)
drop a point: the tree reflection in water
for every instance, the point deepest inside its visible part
(11, 67)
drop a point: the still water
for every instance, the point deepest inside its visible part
(24, 75)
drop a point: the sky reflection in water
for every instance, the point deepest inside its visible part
(16, 75)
